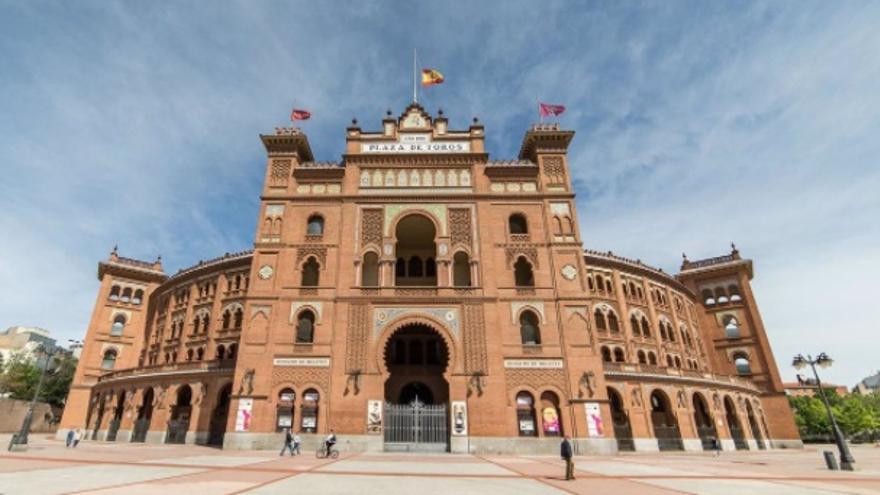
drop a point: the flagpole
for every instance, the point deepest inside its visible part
(415, 87)
(540, 114)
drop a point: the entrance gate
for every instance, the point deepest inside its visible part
(416, 427)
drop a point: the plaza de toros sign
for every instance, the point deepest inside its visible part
(416, 143)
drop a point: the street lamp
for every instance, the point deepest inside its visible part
(21, 438)
(800, 362)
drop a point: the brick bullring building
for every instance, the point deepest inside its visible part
(419, 295)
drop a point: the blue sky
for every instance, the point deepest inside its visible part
(698, 123)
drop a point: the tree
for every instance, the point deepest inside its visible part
(21, 375)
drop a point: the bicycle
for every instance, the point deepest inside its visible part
(321, 453)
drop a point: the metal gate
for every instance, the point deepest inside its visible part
(416, 427)
(141, 427)
(112, 430)
(668, 437)
(708, 436)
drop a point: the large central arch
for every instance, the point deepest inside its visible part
(416, 362)
(416, 358)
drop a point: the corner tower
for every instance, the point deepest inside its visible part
(734, 330)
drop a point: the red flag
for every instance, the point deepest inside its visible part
(547, 109)
(299, 114)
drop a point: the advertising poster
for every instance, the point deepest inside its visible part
(459, 418)
(551, 421)
(243, 418)
(594, 419)
(374, 416)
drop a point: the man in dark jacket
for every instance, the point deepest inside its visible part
(288, 442)
(566, 453)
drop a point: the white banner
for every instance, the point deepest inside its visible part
(243, 418)
(594, 419)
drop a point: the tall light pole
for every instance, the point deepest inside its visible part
(22, 437)
(799, 362)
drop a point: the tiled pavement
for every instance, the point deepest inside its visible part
(134, 469)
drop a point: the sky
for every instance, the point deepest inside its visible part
(697, 124)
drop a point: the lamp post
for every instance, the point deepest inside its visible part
(800, 362)
(22, 437)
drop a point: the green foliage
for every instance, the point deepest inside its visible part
(20, 376)
(857, 415)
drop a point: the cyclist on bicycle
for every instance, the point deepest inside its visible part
(329, 442)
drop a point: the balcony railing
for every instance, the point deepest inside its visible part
(646, 369)
(181, 367)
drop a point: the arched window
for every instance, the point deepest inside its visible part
(400, 268)
(370, 270)
(600, 283)
(138, 296)
(646, 328)
(608, 285)
(118, 325)
(517, 224)
(230, 353)
(430, 267)
(525, 414)
(600, 320)
(114, 293)
(126, 295)
(227, 316)
(416, 269)
(731, 327)
(606, 354)
(309, 412)
(642, 358)
(285, 408)
(677, 362)
(652, 359)
(619, 357)
(206, 321)
(221, 351)
(109, 361)
(708, 298)
(239, 316)
(743, 367)
(461, 270)
(590, 283)
(305, 327)
(670, 332)
(550, 418)
(522, 272)
(734, 293)
(634, 324)
(612, 322)
(315, 225)
(310, 272)
(669, 362)
(200, 353)
(189, 354)
(529, 331)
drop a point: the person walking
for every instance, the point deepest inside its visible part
(716, 446)
(70, 435)
(296, 442)
(566, 454)
(288, 442)
(77, 437)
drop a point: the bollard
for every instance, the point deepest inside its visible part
(830, 460)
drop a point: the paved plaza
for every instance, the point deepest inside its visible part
(106, 468)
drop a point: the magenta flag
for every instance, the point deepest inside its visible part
(548, 110)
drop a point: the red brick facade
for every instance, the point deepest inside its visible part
(419, 268)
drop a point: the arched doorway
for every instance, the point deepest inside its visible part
(620, 419)
(113, 427)
(144, 415)
(753, 424)
(705, 425)
(180, 415)
(416, 390)
(733, 424)
(664, 422)
(219, 416)
(416, 252)
(99, 418)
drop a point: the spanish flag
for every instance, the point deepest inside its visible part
(431, 77)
